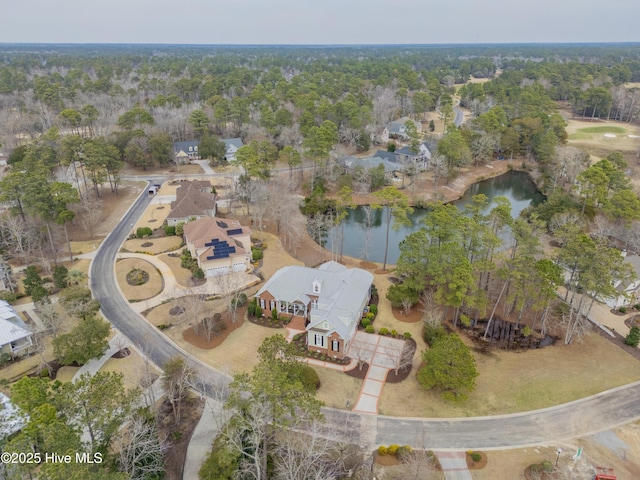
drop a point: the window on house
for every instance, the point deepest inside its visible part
(335, 345)
(272, 305)
(318, 340)
(315, 303)
(263, 304)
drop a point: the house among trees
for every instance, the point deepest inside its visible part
(387, 159)
(629, 290)
(420, 160)
(331, 299)
(194, 200)
(219, 245)
(186, 151)
(397, 128)
(232, 145)
(14, 334)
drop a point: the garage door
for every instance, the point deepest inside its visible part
(217, 271)
(239, 267)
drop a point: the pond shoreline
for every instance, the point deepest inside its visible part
(454, 190)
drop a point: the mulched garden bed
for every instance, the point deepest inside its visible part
(52, 368)
(403, 373)
(414, 316)
(300, 342)
(200, 340)
(177, 310)
(137, 277)
(268, 322)
(480, 464)
(178, 437)
(357, 372)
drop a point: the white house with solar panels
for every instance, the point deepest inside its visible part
(15, 336)
(331, 298)
(220, 245)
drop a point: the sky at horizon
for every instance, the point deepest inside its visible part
(319, 22)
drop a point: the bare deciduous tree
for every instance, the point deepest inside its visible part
(177, 378)
(140, 449)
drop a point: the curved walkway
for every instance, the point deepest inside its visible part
(589, 415)
(172, 288)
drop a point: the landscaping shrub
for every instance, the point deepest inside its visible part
(384, 331)
(431, 333)
(170, 230)
(198, 273)
(370, 316)
(406, 335)
(256, 253)
(143, 232)
(60, 276)
(476, 457)
(633, 338)
(373, 309)
(296, 337)
(394, 333)
(4, 359)
(240, 301)
(274, 314)
(382, 450)
(252, 306)
(622, 309)
(404, 450)
(8, 296)
(309, 378)
(258, 312)
(393, 449)
(365, 322)
(369, 329)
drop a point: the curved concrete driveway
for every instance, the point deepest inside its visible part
(599, 412)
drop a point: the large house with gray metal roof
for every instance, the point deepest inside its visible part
(14, 334)
(232, 145)
(331, 299)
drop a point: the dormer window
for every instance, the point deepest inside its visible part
(191, 149)
(316, 287)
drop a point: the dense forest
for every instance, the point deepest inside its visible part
(74, 119)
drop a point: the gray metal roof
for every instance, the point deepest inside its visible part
(12, 328)
(236, 142)
(184, 146)
(342, 291)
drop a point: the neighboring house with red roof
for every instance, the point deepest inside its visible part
(220, 245)
(14, 334)
(194, 200)
(331, 298)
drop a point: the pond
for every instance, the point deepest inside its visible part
(358, 239)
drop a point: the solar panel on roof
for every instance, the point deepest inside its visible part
(235, 231)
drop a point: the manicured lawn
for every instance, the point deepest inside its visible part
(588, 132)
(604, 129)
(514, 382)
(139, 292)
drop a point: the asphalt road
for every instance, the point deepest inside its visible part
(600, 412)
(148, 339)
(459, 116)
